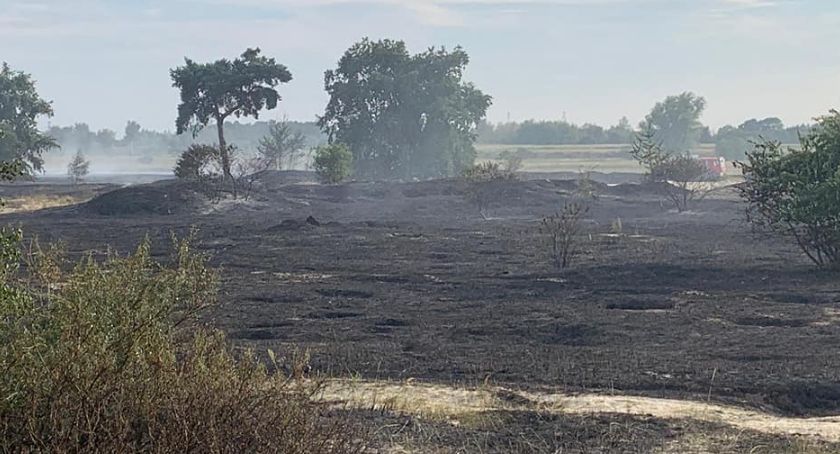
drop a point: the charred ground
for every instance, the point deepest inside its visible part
(406, 280)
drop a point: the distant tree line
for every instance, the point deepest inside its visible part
(727, 138)
(732, 142)
(136, 140)
(674, 123)
(533, 132)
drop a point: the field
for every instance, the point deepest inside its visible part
(575, 158)
(446, 332)
(550, 159)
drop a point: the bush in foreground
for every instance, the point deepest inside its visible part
(110, 357)
(796, 192)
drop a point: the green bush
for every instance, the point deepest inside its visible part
(110, 356)
(332, 163)
(796, 192)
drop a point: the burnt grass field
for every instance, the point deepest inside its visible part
(406, 280)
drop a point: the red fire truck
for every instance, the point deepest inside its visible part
(715, 165)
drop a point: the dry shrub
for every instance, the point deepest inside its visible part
(679, 176)
(110, 357)
(485, 183)
(562, 230)
(512, 161)
(586, 187)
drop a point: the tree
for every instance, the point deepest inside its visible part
(795, 192)
(20, 107)
(215, 91)
(78, 168)
(132, 130)
(403, 115)
(621, 132)
(677, 174)
(734, 143)
(332, 163)
(282, 147)
(675, 122)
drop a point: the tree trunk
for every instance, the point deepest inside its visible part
(224, 154)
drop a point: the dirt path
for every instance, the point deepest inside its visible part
(449, 402)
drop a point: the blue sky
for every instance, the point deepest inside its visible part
(104, 62)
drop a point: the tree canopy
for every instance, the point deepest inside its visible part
(215, 91)
(532, 132)
(733, 142)
(675, 122)
(403, 115)
(20, 107)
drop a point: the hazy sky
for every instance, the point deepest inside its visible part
(104, 62)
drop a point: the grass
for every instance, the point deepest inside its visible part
(573, 158)
(37, 202)
(488, 418)
(443, 402)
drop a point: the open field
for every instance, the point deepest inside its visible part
(406, 283)
(537, 158)
(574, 158)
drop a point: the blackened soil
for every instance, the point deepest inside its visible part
(399, 280)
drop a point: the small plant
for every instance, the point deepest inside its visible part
(677, 173)
(796, 192)
(511, 161)
(562, 230)
(78, 168)
(487, 171)
(586, 188)
(617, 227)
(332, 163)
(199, 163)
(485, 182)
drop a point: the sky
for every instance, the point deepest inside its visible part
(104, 62)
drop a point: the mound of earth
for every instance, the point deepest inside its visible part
(600, 177)
(289, 192)
(160, 198)
(272, 179)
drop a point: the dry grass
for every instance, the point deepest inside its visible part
(40, 201)
(454, 403)
(572, 158)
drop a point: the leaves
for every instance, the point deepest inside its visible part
(796, 192)
(403, 115)
(20, 107)
(675, 122)
(332, 163)
(217, 90)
